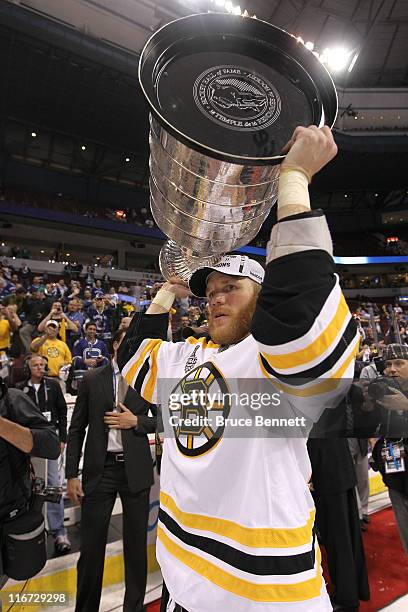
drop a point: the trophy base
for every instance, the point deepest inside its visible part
(176, 261)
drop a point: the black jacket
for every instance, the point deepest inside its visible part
(333, 469)
(35, 310)
(398, 481)
(15, 489)
(95, 397)
(49, 398)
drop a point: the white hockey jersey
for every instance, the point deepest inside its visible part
(235, 530)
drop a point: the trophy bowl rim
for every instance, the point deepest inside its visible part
(148, 66)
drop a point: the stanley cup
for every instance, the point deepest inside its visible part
(225, 94)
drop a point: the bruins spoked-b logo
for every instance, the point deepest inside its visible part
(197, 402)
(236, 98)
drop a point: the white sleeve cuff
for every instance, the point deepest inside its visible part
(299, 234)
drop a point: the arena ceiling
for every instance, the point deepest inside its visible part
(69, 73)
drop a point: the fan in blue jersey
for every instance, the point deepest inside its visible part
(89, 352)
(101, 315)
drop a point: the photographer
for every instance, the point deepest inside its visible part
(391, 451)
(390, 459)
(24, 431)
(47, 395)
(389, 393)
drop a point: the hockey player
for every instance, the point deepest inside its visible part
(235, 530)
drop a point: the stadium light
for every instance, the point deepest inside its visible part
(337, 58)
(230, 7)
(83, 147)
(127, 159)
(34, 134)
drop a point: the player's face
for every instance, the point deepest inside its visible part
(231, 303)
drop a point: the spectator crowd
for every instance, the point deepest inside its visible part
(71, 320)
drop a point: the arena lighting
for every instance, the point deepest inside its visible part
(67, 254)
(83, 147)
(229, 7)
(34, 134)
(127, 159)
(337, 59)
(42, 251)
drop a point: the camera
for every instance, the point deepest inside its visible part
(44, 493)
(382, 386)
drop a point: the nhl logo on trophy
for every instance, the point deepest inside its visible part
(225, 94)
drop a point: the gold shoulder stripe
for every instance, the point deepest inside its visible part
(248, 536)
(300, 591)
(202, 341)
(315, 348)
(325, 386)
(130, 374)
(151, 383)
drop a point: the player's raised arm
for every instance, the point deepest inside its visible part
(303, 326)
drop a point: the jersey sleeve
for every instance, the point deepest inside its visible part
(306, 336)
(68, 356)
(145, 356)
(77, 355)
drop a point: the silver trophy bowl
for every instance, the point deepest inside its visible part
(225, 94)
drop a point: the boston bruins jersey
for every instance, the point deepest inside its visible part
(235, 530)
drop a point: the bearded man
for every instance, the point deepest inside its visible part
(235, 530)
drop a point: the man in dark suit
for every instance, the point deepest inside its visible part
(46, 393)
(117, 460)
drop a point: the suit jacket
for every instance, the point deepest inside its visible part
(95, 397)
